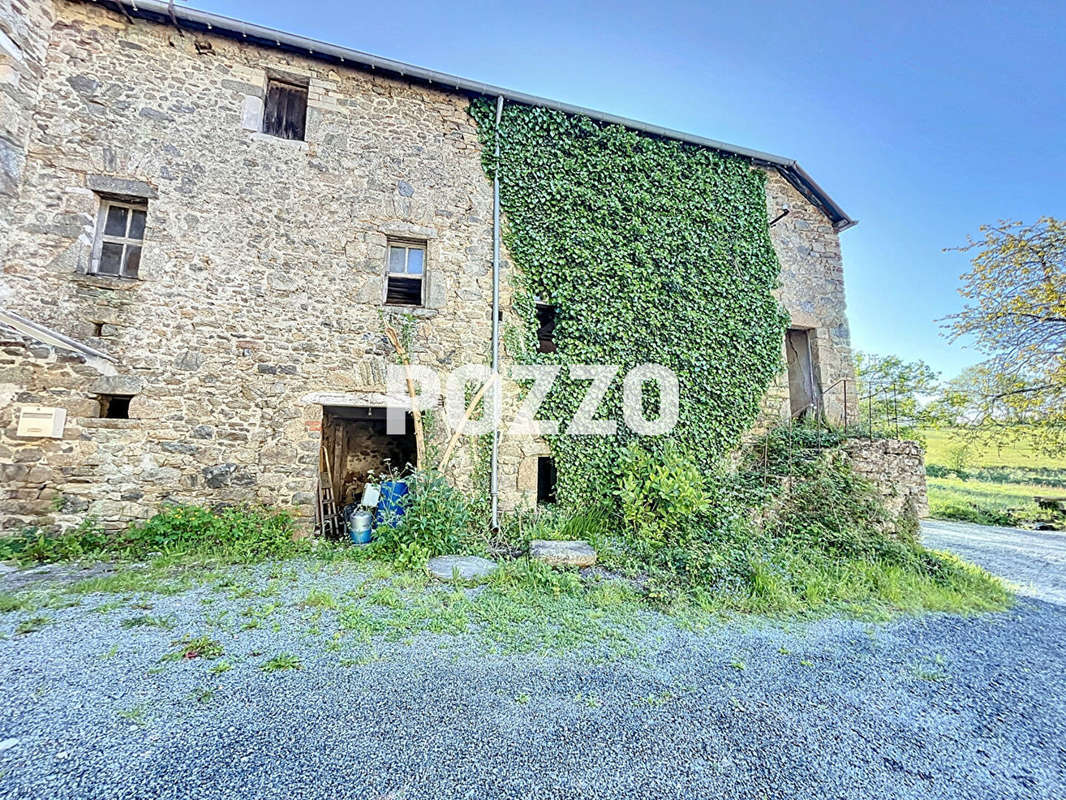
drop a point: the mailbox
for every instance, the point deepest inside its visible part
(42, 422)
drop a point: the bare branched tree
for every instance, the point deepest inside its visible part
(1015, 312)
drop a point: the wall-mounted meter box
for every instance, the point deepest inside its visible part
(42, 422)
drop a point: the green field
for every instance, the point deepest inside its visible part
(941, 444)
(995, 485)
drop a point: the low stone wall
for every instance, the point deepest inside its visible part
(896, 468)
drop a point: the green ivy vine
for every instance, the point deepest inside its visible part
(652, 251)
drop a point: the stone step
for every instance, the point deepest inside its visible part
(464, 568)
(563, 554)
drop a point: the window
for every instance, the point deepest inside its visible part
(406, 269)
(546, 318)
(119, 236)
(115, 406)
(546, 478)
(285, 110)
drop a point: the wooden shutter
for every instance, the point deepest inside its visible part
(285, 113)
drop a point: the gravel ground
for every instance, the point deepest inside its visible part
(935, 706)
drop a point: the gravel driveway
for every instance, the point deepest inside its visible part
(935, 706)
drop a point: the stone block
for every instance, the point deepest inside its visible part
(563, 554)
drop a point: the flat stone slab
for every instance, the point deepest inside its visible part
(465, 568)
(563, 554)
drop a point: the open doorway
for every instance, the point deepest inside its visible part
(803, 390)
(358, 446)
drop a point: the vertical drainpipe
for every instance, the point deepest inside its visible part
(494, 468)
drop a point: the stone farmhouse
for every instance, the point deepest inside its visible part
(203, 224)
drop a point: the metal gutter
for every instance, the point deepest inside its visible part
(494, 466)
(194, 19)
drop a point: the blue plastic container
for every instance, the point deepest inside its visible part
(389, 504)
(359, 527)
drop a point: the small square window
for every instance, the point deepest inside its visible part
(285, 110)
(119, 237)
(115, 406)
(404, 282)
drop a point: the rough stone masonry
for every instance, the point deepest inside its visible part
(260, 293)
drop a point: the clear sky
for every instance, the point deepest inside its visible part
(921, 119)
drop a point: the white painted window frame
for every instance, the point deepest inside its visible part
(408, 246)
(102, 238)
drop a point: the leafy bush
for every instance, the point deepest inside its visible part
(436, 521)
(251, 531)
(660, 496)
(32, 545)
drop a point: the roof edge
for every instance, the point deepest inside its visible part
(191, 18)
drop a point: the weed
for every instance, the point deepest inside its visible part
(134, 714)
(202, 695)
(737, 664)
(319, 599)
(32, 625)
(195, 647)
(148, 621)
(522, 698)
(280, 662)
(11, 602)
(221, 666)
(588, 700)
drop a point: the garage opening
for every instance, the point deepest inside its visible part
(357, 447)
(802, 386)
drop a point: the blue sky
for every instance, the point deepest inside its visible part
(923, 120)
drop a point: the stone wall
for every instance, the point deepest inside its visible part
(812, 293)
(260, 292)
(25, 26)
(896, 468)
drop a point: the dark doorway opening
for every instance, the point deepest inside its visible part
(360, 449)
(546, 478)
(803, 390)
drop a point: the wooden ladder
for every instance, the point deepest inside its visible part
(329, 518)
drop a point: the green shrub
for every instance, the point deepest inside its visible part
(661, 496)
(32, 545)
(436, 521)
(249, 531)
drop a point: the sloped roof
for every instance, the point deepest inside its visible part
(196, 20)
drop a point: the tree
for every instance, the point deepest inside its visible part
(894, 392)
(1015, 311)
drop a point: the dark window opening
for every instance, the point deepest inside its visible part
(285, 110)
(546, 477)
(547, 316)
(115, 406)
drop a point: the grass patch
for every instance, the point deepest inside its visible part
(1009, 504)
(942, 446)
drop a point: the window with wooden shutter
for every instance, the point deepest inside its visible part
(403, 284)
(285, 111)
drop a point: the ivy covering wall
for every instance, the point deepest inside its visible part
(652, 251)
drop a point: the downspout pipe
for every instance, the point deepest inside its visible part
(494, 466)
